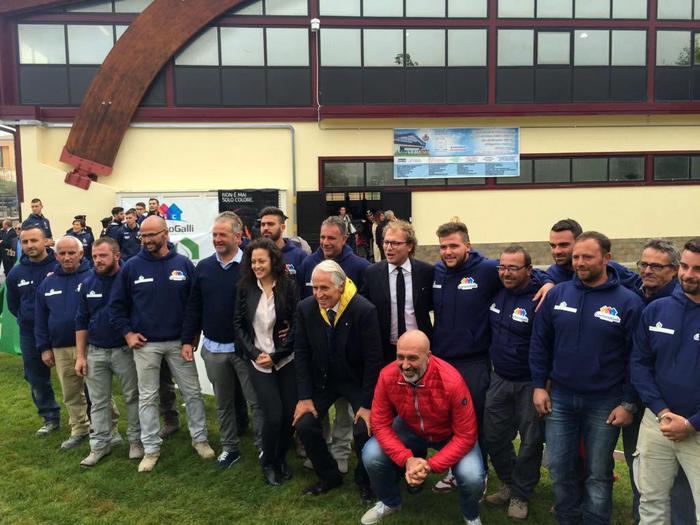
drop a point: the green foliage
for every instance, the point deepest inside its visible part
(40, 485)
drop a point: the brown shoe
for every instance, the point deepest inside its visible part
(168, 430)
(148, 462)
(500, 498)
(517, 509)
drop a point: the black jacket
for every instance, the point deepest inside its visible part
(375, 287)
(247, 299)
(358, 347)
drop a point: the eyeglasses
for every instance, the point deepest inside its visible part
(654, 267)
(512, 268)
(151, 235)
(394, 244)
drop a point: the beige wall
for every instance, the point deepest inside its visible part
(209, 159)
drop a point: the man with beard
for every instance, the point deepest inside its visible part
(272, 226)
(581, 342)
(665, 371)
(54, 330)
(421, 402)
(147, 308)
(102, 353)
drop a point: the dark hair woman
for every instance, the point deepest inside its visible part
(265, 305)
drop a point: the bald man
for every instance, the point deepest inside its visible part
(147, 307)
(422, 402)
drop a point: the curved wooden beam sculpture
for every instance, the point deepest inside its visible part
(127, 72)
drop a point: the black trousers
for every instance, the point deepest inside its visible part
(277, 396)
(311, 434)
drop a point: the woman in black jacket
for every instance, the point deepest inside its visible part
(265, 305)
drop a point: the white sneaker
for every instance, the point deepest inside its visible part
(446, 484)
(95, 456)
(148, 462)
(377, 513)
(476, 521)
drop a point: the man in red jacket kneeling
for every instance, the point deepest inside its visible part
(422, 402)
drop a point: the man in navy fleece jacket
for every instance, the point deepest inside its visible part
(147, 308)
(54, 330)
(581, 342)
(665, 370)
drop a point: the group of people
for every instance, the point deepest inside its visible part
(458, 357)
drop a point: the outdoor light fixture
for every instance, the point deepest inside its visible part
(315, 24)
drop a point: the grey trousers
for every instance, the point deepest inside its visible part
(508, 411)
(102, 363)
(222, 368)
(147, 360)
(340, 438)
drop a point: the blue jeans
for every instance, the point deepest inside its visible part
(384, 474)
(574, 416)
(38, 375)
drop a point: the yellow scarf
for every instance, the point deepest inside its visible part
(348, 293)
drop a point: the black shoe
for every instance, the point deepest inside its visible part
(414, 490)
(321, 487)
(366, 494)
(271, 476)
(284, 471)
(168, 429)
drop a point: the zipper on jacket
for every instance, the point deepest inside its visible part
(415, 405)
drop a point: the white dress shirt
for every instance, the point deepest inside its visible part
(409, 314)
(264, 326)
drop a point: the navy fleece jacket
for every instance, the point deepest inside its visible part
(666, 357)
(582, 338)
(21, 285)
(512, 315)
(40, 221)
(150, 294)
(212, 302)
(129, 241)
(293, 257)
(56, 305)
(93, 314)
(628, 278)
(351, 264)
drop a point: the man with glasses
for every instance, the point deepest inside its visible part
(508, 408)
(400, 287)
(147, 307)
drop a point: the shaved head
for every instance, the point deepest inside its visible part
(413, 355)
(415, 340)
(155, 222)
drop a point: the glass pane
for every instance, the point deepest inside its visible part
(553, 48)
(592, 9)
(697, 9)
(552, 170)
(256, 8)
(629, 9)
(697, 47)
(554, 9)
(671, 168)
(629, 48)
(131, 6)
(674, 9)
(434, 8)
(382, 7)
(466, 47)
(425, 182)
(672, 48)
(92, 7)
(425, 47)
(695, 168)
(341, 174)
(286, 7)
(626, 169)
(590, 170)
(242, 46)
(341, 47)
(468, 8)
(119, 31)
(202, 51)
(383, 47)
(515, 47)
(466, 181)
(340, 8)
(525, 176)
(382, 174)
(41, 44)
(287, 46)
(89, 44)
(516, 8)
(591, 48)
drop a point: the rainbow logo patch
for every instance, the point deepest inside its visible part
(608, 313)
(520, 315)
(177, 275)
(467, 283)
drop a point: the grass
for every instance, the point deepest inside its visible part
(40, 485)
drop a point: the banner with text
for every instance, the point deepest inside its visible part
(248, 203)
(427, 153)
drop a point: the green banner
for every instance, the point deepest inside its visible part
(9, 331)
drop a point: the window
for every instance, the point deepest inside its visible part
(425, 47)
(253, 9)
(421, 8)
(384, 48)
(286, 7)
(516, 8)
(554, 9)
(89, 44)
(592, 8)
(336, 8)
(626, 169)
(242, 46)
(635, 9)
(287, 46)
(591, 48)
(674, 9)
(515, 47)
(671, 168)
(672, 48)
(344, 174)
(42, 44)
(202, 51)
(553, 48)
(382, 7)
(589, 169)
(629, 48)
(466, 47)
(341, 47)
(467, 8)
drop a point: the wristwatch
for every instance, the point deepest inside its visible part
(630, 407)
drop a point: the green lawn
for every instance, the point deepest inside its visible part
(38, 484)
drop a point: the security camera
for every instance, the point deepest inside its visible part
(315, 24)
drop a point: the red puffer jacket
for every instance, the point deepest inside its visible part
(439, 408)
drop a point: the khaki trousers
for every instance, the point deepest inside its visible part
(73, 395)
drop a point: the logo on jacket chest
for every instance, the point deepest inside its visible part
(467, 283)
(53, 292)
(562, 306)
(92, 294)
(177, 275)
(659, 329)
(22, 283)
(291, 269)
(494, 309)
(608, 313)
(520, 315)
(142, 280)
(696, 337)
